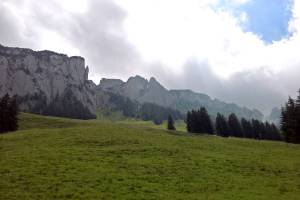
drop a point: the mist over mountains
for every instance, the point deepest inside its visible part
(55, 84)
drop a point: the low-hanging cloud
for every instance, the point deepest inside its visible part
(191, 49)
(96, 34)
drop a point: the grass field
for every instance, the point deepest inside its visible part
(55, 158)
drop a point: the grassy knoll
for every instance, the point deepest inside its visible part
(55, 158)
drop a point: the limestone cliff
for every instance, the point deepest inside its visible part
(46, 80)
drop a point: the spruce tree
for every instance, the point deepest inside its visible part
(4, 109)
(256, 129)
(234, 126)
(268, 131)
(297, 110)
(289, 121)
(188, 122)
(13, 111)
(276, 135)
(205, 122)
(8, 114)
(247, 128)
(221, 126)
(171, 123)
(263, 131)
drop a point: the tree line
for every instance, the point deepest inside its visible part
(8, 113)
(290, 120)
(145, 111)
(198, 121)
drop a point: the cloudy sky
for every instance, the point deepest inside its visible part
(243, 51)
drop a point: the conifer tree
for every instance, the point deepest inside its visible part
(205, 122)
(276, 135)
(8, 114)
(234, 126)
(268, 131)
(263, 131)
(221, 126)
(298, 117)
(171, 123)
(13, 111)
(289, 121)
(188, 122)
(247, 128)
(256, 129)
(4, 113)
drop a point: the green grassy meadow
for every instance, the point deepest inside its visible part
(56, 158)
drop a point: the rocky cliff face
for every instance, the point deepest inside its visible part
(55, 84)
(144, 91)
(44, 78)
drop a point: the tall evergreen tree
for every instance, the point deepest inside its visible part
(268, 131)
(289, 121)
(298, 117)
(207, 126)
(188, 122)
(171, 123)
(8, 114)
(276, 135)
(234, 126)
(4, 113)
(221, 126)
(247, 128)
(256, 129)
(263, 131)
(13, 112)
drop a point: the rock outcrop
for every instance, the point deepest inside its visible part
(44, 78)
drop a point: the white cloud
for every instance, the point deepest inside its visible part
(157, 37)
(173, 31)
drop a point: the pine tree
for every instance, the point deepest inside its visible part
(13, 111)
(276, 135)
(289, 121)
(171, 123)
(4, 113)
(297, 138)
(256, 129)
(234, 126)
(188, 122)
(8, 114)
(263, 131)
(247, 128)
(205, 121)
(221, 126)
(268, 131)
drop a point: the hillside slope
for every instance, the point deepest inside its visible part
(74, 159)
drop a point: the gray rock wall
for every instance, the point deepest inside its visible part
(40, 77)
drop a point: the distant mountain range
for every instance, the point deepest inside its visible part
(55, 84)
(140, 89)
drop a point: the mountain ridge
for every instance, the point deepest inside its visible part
(151, 91)
(52, 83)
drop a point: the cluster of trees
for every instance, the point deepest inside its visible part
(157, 114)
(68, 106)
(199, 122)
(146, 111)
(290, 120)
(128, 107)
(8, 114)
